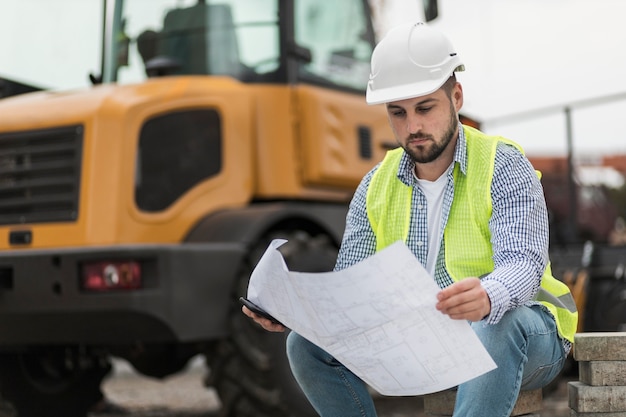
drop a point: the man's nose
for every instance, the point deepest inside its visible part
(414, 124)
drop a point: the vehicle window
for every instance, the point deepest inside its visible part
(337, 35)
(239, 38)
(176, 152)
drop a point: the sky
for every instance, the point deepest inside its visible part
(526, 60)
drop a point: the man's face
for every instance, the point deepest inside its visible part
(426, 126)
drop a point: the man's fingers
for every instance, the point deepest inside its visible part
(465, 299)
(459, 287)
(468, 310)
(262, 321)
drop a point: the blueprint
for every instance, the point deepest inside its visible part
(377, 317)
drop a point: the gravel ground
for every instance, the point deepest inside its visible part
(183, 395)
(175, 396)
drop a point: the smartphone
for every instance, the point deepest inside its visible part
(257, 310)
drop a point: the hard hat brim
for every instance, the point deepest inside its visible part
(406, 91)
(402, 92)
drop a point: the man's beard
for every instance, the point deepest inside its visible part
(426, 155)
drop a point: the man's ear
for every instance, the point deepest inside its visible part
(457, 96)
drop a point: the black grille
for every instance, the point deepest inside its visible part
(40, 175)
(365, 142)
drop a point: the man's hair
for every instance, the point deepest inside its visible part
(449, 85)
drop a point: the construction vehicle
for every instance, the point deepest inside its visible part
(132, 212)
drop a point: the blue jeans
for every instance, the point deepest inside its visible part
(524, 345)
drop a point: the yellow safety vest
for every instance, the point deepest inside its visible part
(467, 238)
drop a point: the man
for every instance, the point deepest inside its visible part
(471, 209)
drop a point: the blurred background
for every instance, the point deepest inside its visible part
(545, 73)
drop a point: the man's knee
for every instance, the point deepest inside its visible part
(301, 353)
(297, 344)
(294, 346)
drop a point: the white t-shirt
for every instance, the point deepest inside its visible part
(434, 192)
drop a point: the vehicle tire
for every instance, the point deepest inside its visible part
(52, 382)
(250, 371)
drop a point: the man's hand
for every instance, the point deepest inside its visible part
(465, 299)
(263, 322)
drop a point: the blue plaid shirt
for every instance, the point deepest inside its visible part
(519, 228)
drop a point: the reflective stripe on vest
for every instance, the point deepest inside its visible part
(467, 238)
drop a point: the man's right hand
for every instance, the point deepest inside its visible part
(263, 322)
(464, 300)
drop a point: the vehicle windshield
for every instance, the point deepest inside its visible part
(239, 38)
(53, 49)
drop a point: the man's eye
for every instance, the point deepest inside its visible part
(424, 109)
(397, 113)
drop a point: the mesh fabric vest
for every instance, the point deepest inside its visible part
(467, 238)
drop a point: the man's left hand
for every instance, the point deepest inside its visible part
(465, 299)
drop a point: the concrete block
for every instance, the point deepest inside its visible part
(442, 403)
(573, 413)
(585, 398)
(601, 346)
(602, 373)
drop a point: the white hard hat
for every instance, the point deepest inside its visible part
(412, 60)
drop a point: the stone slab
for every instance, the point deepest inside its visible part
(602, 373)
(600, 346)
(442, 403)
(589, 399)
(573, 413)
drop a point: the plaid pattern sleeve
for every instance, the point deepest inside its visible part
(359, 241)
(519, 233)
